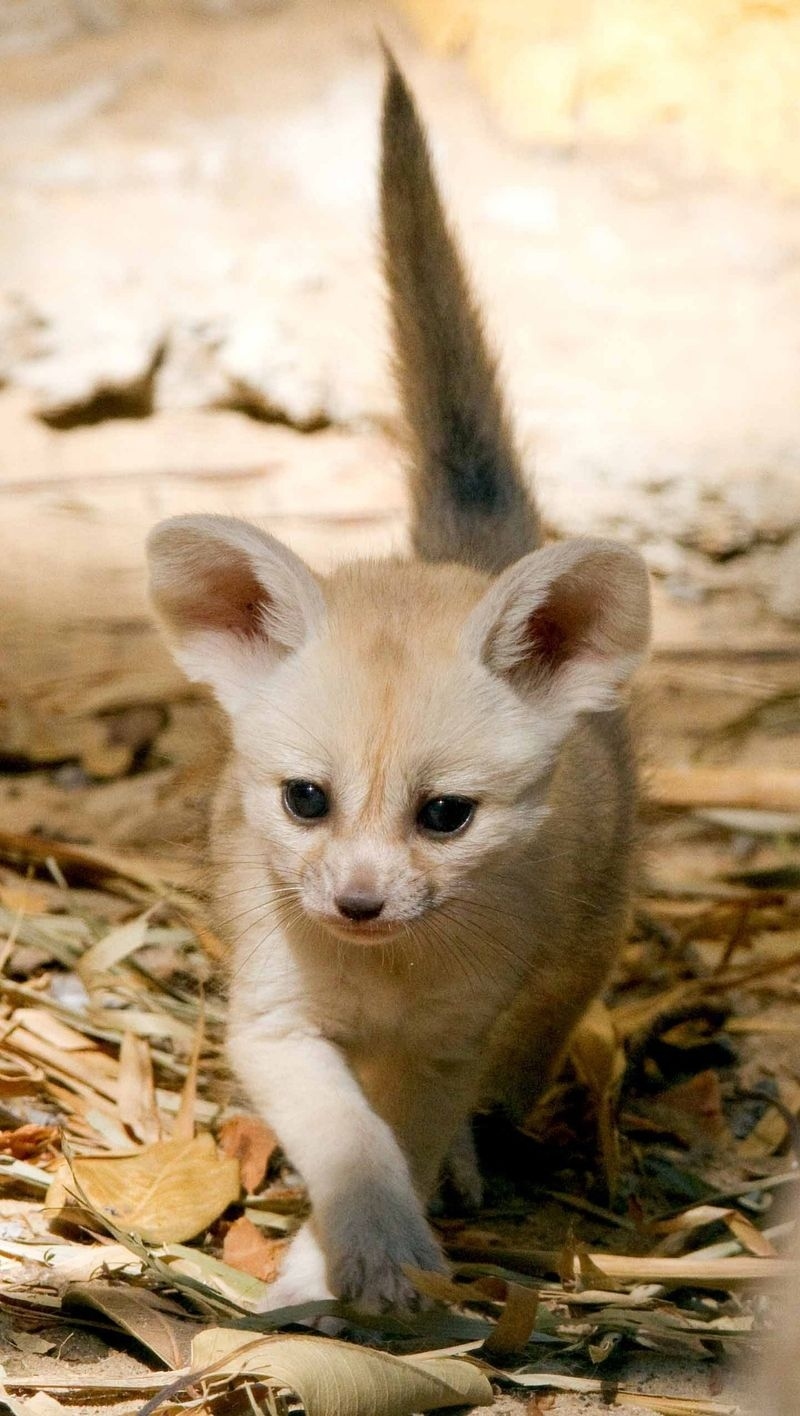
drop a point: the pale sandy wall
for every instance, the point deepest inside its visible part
(720, 76)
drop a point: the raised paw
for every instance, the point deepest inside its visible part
(370, 1251)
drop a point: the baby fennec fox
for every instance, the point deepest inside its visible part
(424, 831)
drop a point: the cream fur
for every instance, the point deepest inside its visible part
(368, 1045)
(367, 1053)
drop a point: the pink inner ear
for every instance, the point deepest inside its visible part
(547, 640)
(228, 597)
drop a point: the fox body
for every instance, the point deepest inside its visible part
(423, 838)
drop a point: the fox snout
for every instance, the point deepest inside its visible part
(360, 899)
(359, 905)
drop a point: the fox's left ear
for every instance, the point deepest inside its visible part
(568, 624)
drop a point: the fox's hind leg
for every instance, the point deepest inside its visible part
(462, 1170)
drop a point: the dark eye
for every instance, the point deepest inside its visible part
(445, 814)
(305, 800)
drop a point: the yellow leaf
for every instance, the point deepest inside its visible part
(516, 1323)
(183, 1127)
(136, 1098)
(166, 1193)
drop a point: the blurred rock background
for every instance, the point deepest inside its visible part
(191, 317)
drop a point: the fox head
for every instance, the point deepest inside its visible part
(394, 726)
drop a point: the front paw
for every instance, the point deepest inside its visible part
(369, 1252)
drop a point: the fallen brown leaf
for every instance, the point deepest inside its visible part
(697, 1105)
(247, 1249)
(253, 1144)
(136, 1099)
(184, 1125)
(330, 1376)
(157, 1323)
(29, 1140)
(516, 1322)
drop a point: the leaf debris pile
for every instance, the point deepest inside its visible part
(141, 1202)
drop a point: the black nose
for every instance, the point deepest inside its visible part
(359, 906)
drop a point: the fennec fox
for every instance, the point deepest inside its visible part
(422, 841)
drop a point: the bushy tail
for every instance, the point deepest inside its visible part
(469, 498)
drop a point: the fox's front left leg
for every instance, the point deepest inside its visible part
(367, 1219)
(427, 1102)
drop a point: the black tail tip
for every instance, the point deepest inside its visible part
(404, 144)
(396, 93)
(387, 52)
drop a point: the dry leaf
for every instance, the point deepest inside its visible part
(41, 1404)
(26, 1141)
(42, 1025)
(593, 1277)
(159, 1325)
(136, 1097)
(62, 1051)
(177, 1262)
(246, 1248)
(90, 1386)
(23, 1080)
(164, 1194)
(253, 1144)
(72, 1263)
(100, 864)
(516, 1322)
(486, 1289)
(184, 1125)
(115, 946)
(740, 1226)
(60, 1203)
(749, 1236)
(331, 1376)
(24, 898)
(687, 1270)
(282, 1199)
(696, 1106)
(31, 1343)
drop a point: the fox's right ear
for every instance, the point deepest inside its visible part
(566, 626)
(233, 601)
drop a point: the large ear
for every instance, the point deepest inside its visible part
(568, 624)
(232, 600)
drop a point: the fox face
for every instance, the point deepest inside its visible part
(394, 727)
(368, 770)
